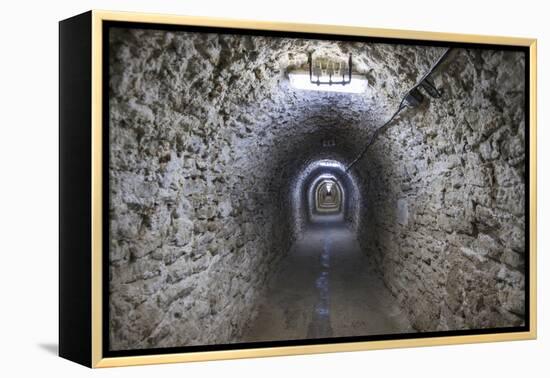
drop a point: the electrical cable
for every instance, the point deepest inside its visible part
(402, 105)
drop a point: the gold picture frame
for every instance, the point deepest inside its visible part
(92, 354)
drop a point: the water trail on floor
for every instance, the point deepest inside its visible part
(320, 321)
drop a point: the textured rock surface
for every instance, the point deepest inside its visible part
(444, 221)
(209, 141)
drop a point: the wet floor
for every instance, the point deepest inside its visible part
(325, 288)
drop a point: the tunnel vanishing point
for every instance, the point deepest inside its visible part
(233, 216)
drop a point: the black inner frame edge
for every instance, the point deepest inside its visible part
(106, 352)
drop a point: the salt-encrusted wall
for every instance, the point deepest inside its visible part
(208, 142)
(445, 211)
(206, 137)
(195, 224)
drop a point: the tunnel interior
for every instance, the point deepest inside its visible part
(328, 195)
(235, 215)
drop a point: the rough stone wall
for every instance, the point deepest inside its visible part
(445, 210)
(208, 141)
(206, 136)
(194, 229)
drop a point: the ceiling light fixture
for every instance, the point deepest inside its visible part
(329, 163)
(301, 81)
(328, 76)
(324, 68)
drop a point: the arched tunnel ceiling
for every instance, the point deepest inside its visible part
(207, 140)
(235, 90)
(296, 122)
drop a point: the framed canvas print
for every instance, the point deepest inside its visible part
(235, 189)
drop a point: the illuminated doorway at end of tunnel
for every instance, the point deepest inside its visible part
(328, 197)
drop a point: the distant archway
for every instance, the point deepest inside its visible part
(328, 197)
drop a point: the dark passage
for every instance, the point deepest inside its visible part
(245, 206)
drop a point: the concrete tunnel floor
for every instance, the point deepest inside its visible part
(326, 288)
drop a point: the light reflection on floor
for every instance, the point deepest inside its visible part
(325, 288)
